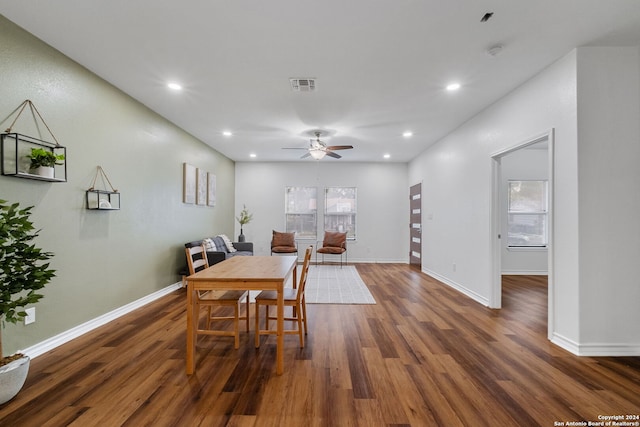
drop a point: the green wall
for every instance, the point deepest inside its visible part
(104, 259)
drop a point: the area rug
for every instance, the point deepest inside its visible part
(330, 284)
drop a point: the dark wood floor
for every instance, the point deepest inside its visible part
(424, 355)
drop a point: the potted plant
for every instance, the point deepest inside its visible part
(244, 218)
(23, 271)
(43, 161)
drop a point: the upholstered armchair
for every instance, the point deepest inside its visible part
(334, 243)
(283, 243)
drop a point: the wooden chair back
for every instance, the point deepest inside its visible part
(304, 273)
(196, 258)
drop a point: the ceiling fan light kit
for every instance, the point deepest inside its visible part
(317, 153)
(318, 149)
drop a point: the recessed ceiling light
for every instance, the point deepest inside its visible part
(227, 133)
(253, 155)
(407, 134)
(174, 86)
(386, 156)
(453, 86)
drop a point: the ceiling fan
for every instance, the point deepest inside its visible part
(318, 149)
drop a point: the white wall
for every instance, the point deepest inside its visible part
(383, 203)
(609, 173)
(591, 98)
(530, 163)
(457, 184)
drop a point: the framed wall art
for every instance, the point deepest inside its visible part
(201, 185)
(188, 183)
(211, 189)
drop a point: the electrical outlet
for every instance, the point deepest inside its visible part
(31, 316)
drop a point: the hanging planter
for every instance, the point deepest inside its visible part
(43, 160)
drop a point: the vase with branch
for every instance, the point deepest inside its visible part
(244, 218)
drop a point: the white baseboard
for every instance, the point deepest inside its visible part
(525, 273)
(55, 341)
(596, 349)
(471, 294)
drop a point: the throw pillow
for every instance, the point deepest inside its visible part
(283, 239)
(228, 243)
(209, 246)
(219, 242)
(334, 238)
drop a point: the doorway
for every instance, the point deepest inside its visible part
(415, 226)
(497, 216)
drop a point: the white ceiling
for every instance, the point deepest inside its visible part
(381, 65)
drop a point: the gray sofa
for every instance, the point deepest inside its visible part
(214, 257)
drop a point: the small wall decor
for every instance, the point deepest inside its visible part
(33, 158)
(211, 189)
(201, 184)
(188, 183)
(102, 199)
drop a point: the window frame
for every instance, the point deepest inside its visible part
(352, 236)
(543, 213)
(312, 213)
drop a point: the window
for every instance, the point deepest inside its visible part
(301, 211)
(527, 213)
(340, 210)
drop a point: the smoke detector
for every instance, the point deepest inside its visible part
(303, 84)
(494, 50)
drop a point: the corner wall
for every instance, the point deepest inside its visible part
(591, 98)
(609, 155)
(104, 259)
(457, 185)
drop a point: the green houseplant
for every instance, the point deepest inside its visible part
(244, 218)
(43, 161)
(23, 271)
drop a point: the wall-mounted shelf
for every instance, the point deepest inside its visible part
(19, 153)
(36, 177)
(102, 200)
(15, 149)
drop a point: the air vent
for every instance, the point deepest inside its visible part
(303, 85)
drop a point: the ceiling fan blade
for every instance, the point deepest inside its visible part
(294, 148)
(334, 155)
(304, 156)
(340, 147)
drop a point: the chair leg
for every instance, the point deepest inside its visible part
(304, 315)
(300, 334)
(266, 316)
(248, 311)
(236, 324)
(257, 340)
(208, 317)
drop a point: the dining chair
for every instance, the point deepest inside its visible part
(283, 243)
(197, 261)
(293, 297)
(334, 243)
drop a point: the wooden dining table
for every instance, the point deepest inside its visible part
(241, 273)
